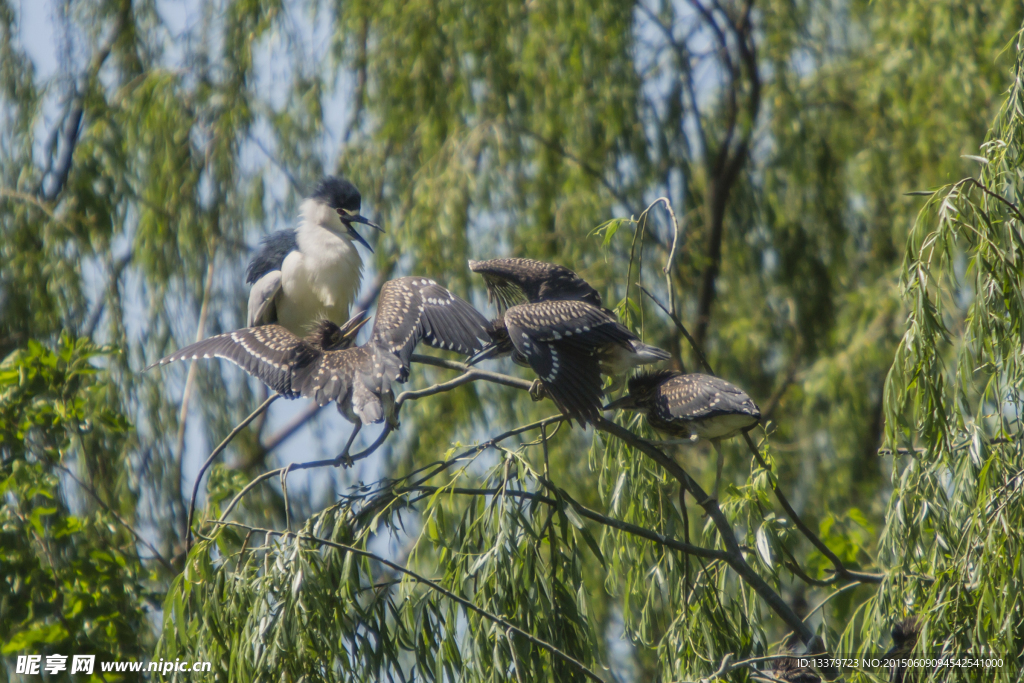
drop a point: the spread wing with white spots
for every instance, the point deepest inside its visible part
(560, 340)
(513, 281)
(572, 379)
(698, 397)
(414, 309)
(270, 353)
(570, 323)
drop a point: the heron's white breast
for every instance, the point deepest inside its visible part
(320, 280)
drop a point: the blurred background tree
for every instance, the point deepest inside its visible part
(139, 169)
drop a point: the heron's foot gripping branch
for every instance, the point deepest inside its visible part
(537, 392)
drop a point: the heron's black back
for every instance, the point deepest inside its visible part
(271, 254)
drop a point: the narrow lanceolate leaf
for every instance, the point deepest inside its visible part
(764, 547)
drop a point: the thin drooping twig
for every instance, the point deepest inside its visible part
(295, 467)
(490, 443)
(433, 585)
(120, 520)
(209, 461)
(984, 188)
(682, 329)
(552, 536)
(667, 270)
(734, 554)
(841, 569)
(190, 379)
(583, 511)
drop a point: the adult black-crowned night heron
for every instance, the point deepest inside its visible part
(301, 275)
(561, 332)
(905, 633)
(691, 407)
(325, 367)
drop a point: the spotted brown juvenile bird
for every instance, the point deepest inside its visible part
(790, 671)
(325, 367)
(905, 633)
(415, 308)
(691, 407)
(561, 332)
(512, 281)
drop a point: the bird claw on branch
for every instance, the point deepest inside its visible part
(537, 392)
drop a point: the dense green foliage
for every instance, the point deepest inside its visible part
(73, 583)
(135, 179)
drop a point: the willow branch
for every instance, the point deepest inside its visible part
(682, 329)
(495, 377)
(209, 461)
(295, 467)
(120, 520)
(190, 379)
(841, 570)
(733, 552)
(984, 188)
(583, 511)
(490, 443)
(438, 588)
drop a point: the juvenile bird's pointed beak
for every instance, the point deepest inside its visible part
(351, 327)
(626, 402)
(489, 351)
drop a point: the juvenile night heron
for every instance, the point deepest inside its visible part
(325, 367)
(905, 633)
(512, 281)
(300, 275)
(691, 407)
(561, 332)
(790, 671)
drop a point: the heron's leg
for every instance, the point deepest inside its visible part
(537, 390)
(718, 467)
(343, 458)
(390, 409)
